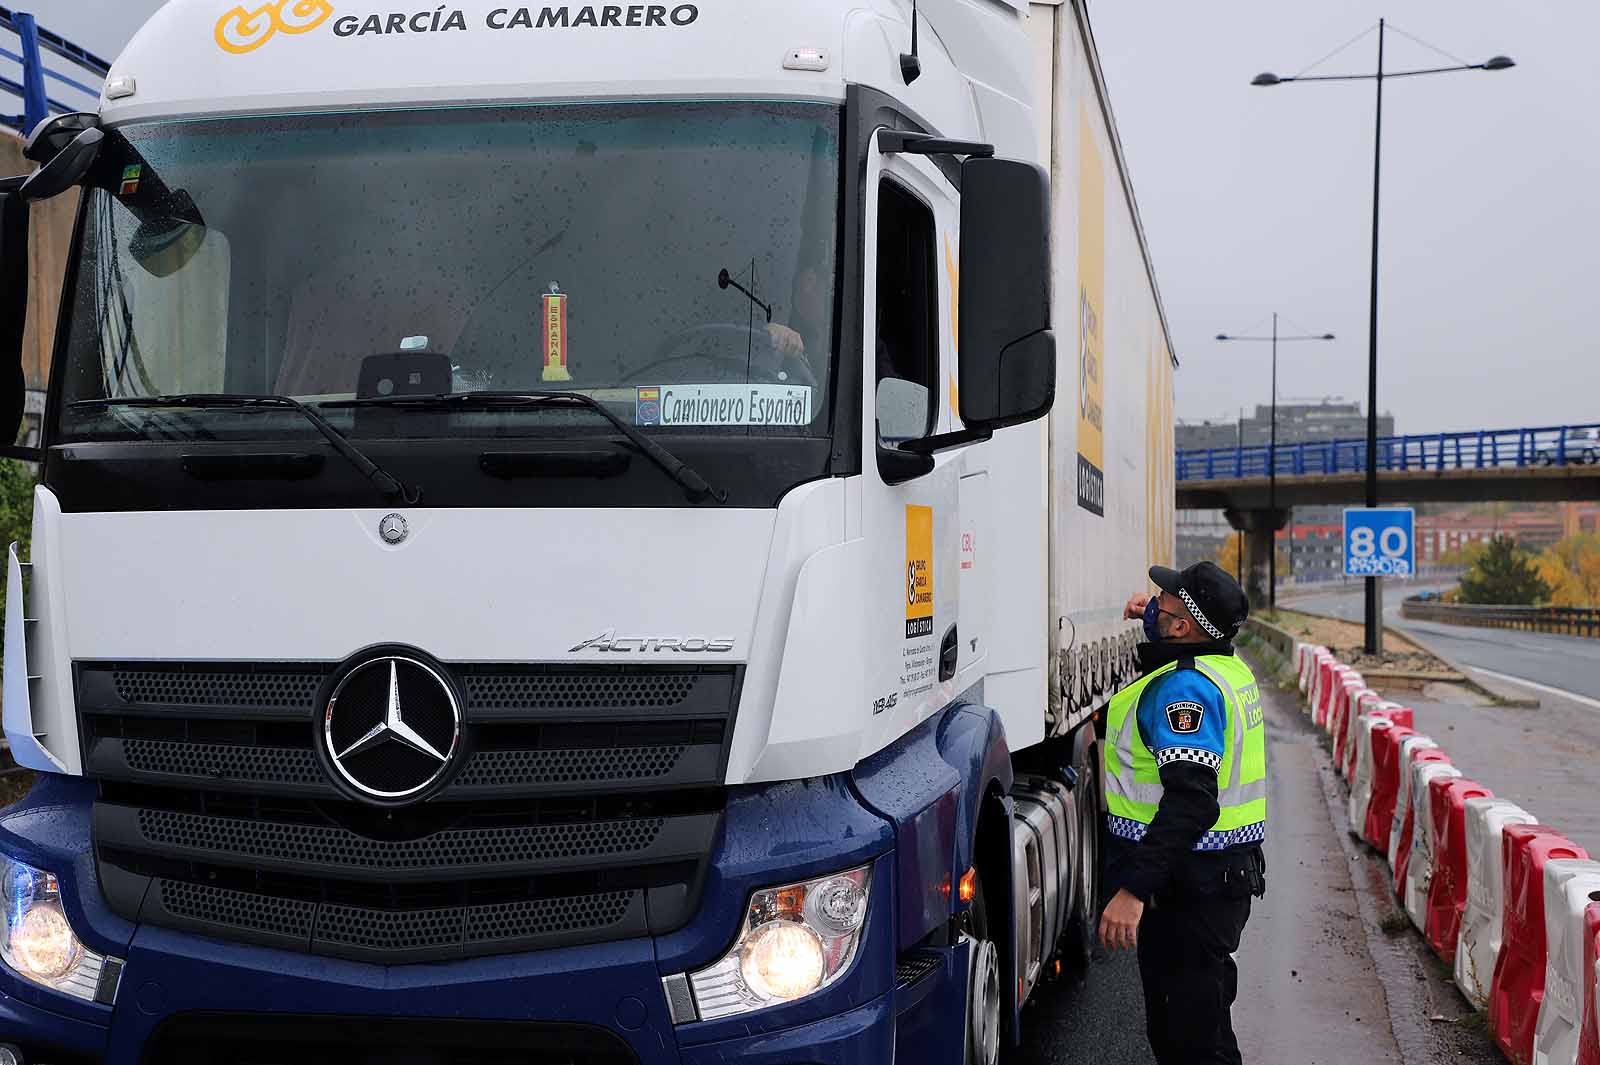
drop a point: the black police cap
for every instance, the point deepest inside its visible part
(1212, 596)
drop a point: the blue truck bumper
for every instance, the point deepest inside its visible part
(771, 836)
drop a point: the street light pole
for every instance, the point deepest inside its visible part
(1272, 456)
(1374, 589)
(1272, 480)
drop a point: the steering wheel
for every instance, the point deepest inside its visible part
(734, 348)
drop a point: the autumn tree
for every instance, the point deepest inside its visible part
(16, 513)
(1572, 570)
(1505, 575)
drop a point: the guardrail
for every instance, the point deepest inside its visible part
(1564, 620)
(31, 84)
(1479, 449)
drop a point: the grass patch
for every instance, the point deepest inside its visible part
(1476, 1021)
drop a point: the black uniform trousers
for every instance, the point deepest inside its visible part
(1185, 945)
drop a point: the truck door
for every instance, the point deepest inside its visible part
(914, 525)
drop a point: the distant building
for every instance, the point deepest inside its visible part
(1533, 530)
(1207, 435)
(1201, 534)
(1305, 423)
(1313, 548)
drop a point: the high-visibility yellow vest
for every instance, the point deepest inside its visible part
(1133, 781)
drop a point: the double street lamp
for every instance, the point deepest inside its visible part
(1272, 454)
(1374, 589)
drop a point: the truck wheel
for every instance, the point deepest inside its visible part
(1083, 929)
(983, 989)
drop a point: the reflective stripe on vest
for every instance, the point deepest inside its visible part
(1132, 774)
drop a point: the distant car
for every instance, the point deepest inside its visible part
(1580, 446)
(1427, 597)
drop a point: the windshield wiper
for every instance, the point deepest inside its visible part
(696, 486)
(387, 483)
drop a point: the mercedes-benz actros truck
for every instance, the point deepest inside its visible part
(574, 533)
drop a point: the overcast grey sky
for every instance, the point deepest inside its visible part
(1260, 199)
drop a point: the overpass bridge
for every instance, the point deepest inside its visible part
(1545, 463)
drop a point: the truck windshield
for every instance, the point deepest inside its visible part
(675, 261)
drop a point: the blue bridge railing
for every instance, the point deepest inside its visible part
(1481, 449)
(44, 72)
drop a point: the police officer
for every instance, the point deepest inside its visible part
(1186, 811)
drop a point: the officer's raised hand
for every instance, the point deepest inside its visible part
(1134, 611)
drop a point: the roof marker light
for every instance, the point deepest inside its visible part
(806, 59)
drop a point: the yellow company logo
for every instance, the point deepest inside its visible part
(240, 31)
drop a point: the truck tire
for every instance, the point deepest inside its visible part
(983, 988)
(1083, 929)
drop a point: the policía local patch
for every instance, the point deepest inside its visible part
(1184, 717)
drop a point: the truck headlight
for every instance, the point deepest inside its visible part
(39, 944)
(795, 941)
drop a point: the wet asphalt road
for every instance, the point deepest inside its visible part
(1569, 663)
(1309, 986)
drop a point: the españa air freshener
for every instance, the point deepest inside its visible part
(555, 335)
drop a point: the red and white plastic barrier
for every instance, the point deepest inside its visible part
(1479, 943)
(1589, 1037)
(1344, 700)
(1330, 682)
(1569, 888)
(1518, 988)
(1306, 657)
(1419, 867)
(1365, 701)
(1370, 727)
(1400, 819)
(1447, 889)
(1379, 814)
(1513, 904)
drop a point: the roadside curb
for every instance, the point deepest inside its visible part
(1502, 694)
(1497, 693)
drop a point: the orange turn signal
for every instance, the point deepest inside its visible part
(969, 885)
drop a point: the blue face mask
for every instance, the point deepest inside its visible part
(1152, 617)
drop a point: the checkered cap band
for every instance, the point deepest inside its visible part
(1205, 622)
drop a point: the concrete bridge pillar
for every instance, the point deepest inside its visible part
(1260, 528)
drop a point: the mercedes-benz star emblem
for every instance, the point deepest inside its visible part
(391, 728)
(393, 529)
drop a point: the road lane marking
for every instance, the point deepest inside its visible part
(1593, 704)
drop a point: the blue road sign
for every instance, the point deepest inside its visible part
(1379, 542)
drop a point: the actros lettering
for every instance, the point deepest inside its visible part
(610, 642)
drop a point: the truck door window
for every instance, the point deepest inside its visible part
(906, 349)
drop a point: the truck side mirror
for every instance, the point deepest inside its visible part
(66, 168)
(13, 306)
(1007, 351)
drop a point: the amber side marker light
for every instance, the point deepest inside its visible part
(969, 885)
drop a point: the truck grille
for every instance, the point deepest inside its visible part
(584, 810)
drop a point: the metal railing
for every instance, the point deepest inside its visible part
(1564, 620)
(1480, 449)
(68, 81)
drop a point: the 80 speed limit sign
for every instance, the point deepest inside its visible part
(1378, 542)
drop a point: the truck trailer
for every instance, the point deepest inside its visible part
(443, 639)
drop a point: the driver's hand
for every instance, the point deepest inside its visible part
(786, 340)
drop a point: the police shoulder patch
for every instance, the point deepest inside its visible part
(1184, 717)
